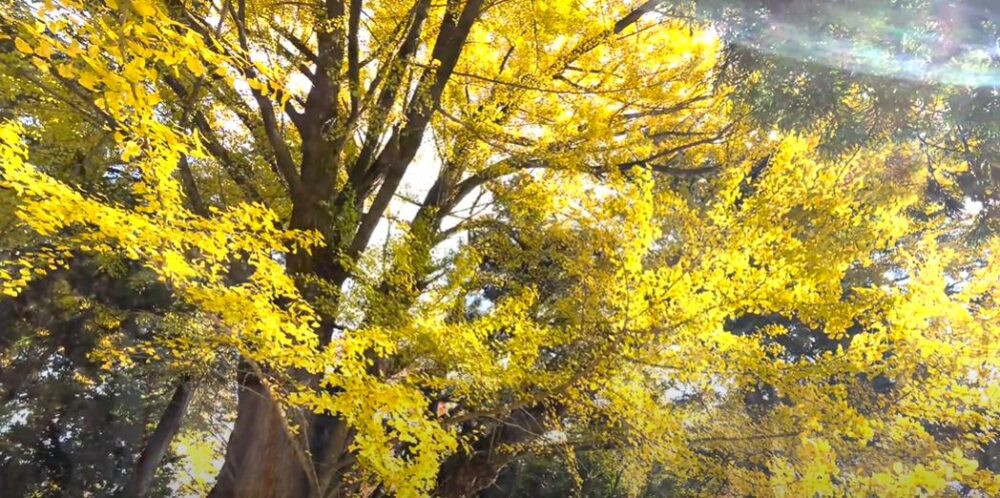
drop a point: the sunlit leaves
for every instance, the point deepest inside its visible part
(633, 220)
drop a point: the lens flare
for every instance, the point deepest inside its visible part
(946, 43)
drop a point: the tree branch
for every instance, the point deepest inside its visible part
(234, 166)
(396, 157)
(353, 49)
(634, 16)
(283, 159)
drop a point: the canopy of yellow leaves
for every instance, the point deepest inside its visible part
(647, 274)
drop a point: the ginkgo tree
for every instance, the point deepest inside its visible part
(595, 219)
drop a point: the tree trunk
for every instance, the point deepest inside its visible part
(506, 483)
(465, 475)
(159, 441)
(261, 461)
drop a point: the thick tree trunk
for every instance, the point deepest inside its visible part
(261, 461)
(159, 441)
(506, 483)
(465, 475)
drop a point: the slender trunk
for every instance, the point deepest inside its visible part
(261, 461)
(159, 441)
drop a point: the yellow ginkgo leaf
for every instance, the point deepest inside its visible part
(144, 8)
(88, 81)
(44, 50)
(22, 46)
(195, 66)
(66, 71)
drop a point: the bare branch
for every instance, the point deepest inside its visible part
(634, 16)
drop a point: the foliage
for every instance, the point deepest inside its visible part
(858, 73)
(610, 256)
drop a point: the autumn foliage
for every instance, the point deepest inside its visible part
(421, 240)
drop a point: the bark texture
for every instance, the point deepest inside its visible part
(260, 459)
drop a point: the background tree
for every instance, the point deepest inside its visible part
(861, 73)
